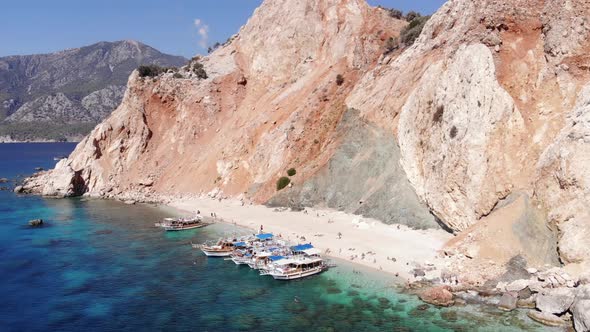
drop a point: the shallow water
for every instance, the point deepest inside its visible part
(102, 266)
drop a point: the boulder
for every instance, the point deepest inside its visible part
(581, 314)
(36, 222)
(528, 303)
(546, 318)
(508, 301)
(3, 180)
(439, 296)
(525, 293)
(517, 285)
(555, 301)
(18, 189)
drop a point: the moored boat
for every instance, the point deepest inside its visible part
(222, 248)
(296, 268)
(181, 224)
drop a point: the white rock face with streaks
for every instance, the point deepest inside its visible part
(564, 182)
(447, 128)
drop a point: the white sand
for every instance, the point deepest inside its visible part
(321, 227)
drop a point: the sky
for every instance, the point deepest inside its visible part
(179, 27)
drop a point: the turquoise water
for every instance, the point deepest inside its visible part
(102, 266)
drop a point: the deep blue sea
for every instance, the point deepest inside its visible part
(102, 266)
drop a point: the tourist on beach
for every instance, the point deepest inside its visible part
(261, 229)
(339, 235)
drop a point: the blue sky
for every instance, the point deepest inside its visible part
(41, 26)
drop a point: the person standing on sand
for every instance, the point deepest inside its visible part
(339, 235)
(261, 229)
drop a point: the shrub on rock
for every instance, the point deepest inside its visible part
(283, 182)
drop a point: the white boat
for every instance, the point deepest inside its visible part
(295, 268)
(181, 224)
(220, 249)
(241, 260)
(259, 260)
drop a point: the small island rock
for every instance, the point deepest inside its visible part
(36, 222)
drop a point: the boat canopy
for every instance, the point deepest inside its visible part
(286, 261)
(312, 251)
(276, 258)
(298, 261)
(239, 244)
(302, 247)
(264, 236)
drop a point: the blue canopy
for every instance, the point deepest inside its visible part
(264, 236)
(302, 247)
(275, 258)
(240, 244)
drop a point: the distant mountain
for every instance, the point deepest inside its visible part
(63, 95)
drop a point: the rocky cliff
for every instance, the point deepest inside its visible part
(75, 88)
(481, 125)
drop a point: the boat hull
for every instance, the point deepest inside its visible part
(216, 253)
(294, 276)
(173, 229)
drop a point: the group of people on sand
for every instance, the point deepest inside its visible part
(212, 214)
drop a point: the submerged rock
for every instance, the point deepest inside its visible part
(36, 222)
(449, 315)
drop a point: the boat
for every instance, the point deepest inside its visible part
(222, 248)
(271, 256)
(306, 249)
(241, 258)
(181, 224)
(296, 267)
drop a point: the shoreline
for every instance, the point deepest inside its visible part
(393, 249)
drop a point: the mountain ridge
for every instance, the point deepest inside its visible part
(82, 85)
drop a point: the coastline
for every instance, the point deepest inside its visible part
(393, 249)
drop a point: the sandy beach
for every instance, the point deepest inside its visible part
(395, 249)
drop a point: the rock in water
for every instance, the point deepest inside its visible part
(547, 319)
(3, 180)
(36, 222)
(440, 296)
(508, 301)
(555, 301)
(18, 189)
